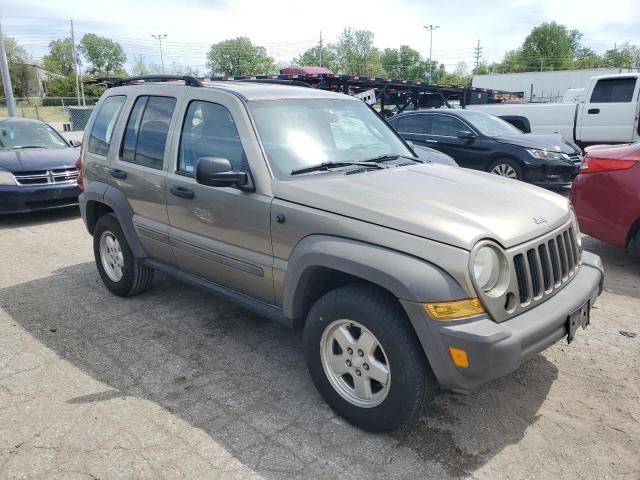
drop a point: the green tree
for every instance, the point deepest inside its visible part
(356, 55)
(60, 57)
(626, 56)
(550, 46)
(238, 56)
(66, 87)
(318, 56)
(139, 66)
(403, 62)
(21, 69)
(104, 56)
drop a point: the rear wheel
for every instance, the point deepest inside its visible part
(634, 245)
(119, 270)
(365, 358)
(505, 167)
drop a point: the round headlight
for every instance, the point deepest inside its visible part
(486, 268)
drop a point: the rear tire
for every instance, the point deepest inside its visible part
(352, 336)
(119, 270)
(506, 167)
(634, 246)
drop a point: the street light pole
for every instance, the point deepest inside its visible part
(160, 37)
(431, 28)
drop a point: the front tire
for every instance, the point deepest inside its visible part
(119, 270)
(506, 167)
(365, 359)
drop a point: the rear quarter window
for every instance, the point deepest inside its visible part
(103, 126)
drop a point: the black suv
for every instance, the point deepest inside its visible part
(483, 142)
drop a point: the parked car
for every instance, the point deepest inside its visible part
(305, 207)
(37, 167)
(483, 142)
(606, 111)
(606, 195)
(431, 155)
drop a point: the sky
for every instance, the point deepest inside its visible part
(287, 28)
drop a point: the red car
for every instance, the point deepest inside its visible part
(606, 195)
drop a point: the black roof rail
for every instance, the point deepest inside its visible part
(277, 81)
(187, 79)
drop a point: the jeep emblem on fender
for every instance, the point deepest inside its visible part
(539, 220)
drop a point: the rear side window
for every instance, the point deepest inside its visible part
(102, 129)
(412, 124)
(613, 90)
(446, 126)
(145, 137)
(209, 131)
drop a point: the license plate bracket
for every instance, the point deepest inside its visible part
(578, 318)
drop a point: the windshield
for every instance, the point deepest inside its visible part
(301, 133)
(15, 135)
(489, 125)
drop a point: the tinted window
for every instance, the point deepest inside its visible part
(446, 125)
(209, 131)
(613, 90)
(102, 129)
(412, 124)
(146, 134)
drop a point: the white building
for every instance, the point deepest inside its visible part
(541, 86)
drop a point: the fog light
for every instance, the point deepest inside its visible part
(459, 357)
(457, 309)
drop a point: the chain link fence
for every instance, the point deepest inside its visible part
(61, 112)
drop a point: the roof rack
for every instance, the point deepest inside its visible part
(187, 79)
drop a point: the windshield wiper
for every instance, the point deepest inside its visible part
(391, 157)
(27, 146)
(328, 165)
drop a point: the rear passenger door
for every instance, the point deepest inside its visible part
(221, 234)
(139, 171)
(412, 127)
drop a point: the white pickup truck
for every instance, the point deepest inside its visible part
(606, 111)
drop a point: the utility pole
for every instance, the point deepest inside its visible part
(160, 37)
(75, 63)
(478, 54)
(541, 64)
(430, 29)
(6, 78)
(320, 52)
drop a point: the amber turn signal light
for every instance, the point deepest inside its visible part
(454, 310)
(459, 357)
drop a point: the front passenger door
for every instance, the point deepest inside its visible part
(219, 233)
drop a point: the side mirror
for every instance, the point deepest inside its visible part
(75, 143)
(217, 172)
(466, 135)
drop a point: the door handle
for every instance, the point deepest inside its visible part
(182, 192)
(117, 173)
(593, 111)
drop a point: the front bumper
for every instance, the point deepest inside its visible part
(22, 199)
(496, 349)
(552, 175)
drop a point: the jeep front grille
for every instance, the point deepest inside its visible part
(538, 269)
(541, 269)
(46, 177)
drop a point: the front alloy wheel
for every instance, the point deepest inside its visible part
(355, 363)
(504, 170)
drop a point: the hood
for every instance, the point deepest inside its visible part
(37, 159)
(613, 151)
(447, 204)
(552, 142)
